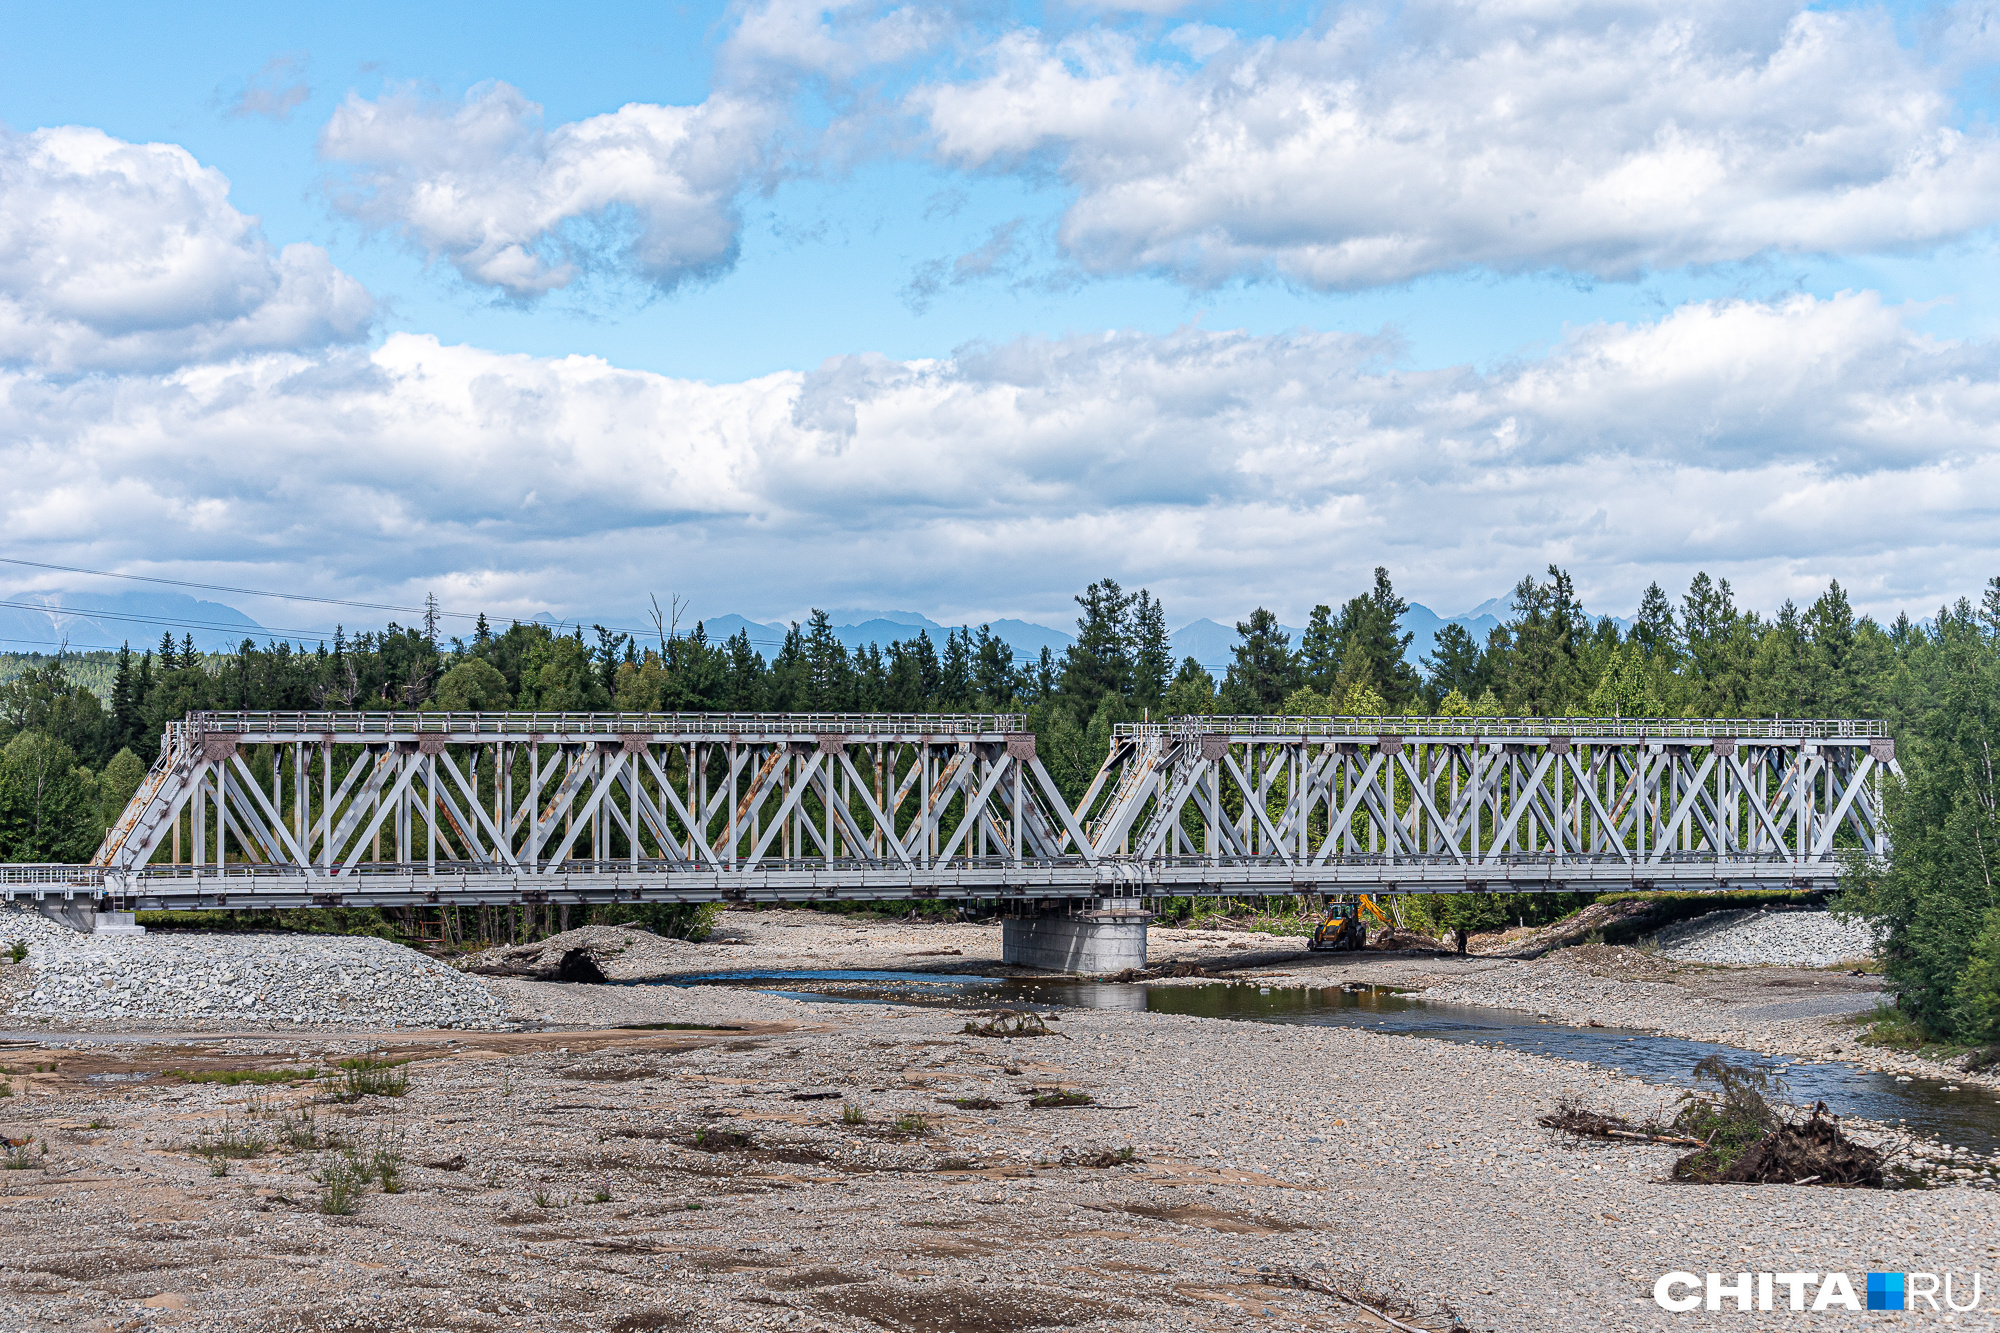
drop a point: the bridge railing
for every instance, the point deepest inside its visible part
(397, 724)
(65, 875)
(1109, 869)
(1497, 728)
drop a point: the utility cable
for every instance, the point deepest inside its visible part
(244, 592)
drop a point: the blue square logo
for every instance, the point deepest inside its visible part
(1885, 1291)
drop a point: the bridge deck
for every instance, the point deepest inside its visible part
(390, 885)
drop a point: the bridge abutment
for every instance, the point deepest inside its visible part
(89, 920)
(1090, 942)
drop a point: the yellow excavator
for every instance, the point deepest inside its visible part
(1343, 927)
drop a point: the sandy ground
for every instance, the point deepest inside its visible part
(812, 1168)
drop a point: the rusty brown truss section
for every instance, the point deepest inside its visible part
(296, 809)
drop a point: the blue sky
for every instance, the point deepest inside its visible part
(955, 308)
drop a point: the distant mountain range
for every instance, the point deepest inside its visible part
(858, 628)
(1204, 640)
(1210, 644)
(42, 622)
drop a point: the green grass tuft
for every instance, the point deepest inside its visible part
(363, 1077)
(342, 1181)
(230, 1078)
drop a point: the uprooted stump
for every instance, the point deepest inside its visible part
(1814, 1152)
(1011, 1023)
(1734, 1120)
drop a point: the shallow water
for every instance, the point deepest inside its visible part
(1968, 1116)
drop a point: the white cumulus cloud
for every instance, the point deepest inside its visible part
(117, 256)
(774, 41)
(1604, 138)
(1776, 443)
(481, 183)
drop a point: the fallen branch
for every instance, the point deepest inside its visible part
(1303, 1282)
(1596, 1126)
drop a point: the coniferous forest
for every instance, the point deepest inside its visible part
(78, 731)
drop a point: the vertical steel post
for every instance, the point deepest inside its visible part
(532, 859)
(430, 813)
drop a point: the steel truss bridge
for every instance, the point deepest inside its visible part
(258, 809)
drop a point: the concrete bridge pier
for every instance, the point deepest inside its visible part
(1103, 940)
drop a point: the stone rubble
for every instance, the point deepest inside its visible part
(20, 923)
(1749, 938)
(234, 979)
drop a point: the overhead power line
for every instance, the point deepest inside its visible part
(65, 645)
(244, 592)
(165, 621)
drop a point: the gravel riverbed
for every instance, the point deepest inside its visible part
(859, 1168)
(709, 1158)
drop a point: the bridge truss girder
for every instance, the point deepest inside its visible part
(1327, 796)
(413, 809)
